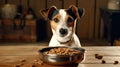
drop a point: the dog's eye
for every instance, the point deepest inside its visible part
(70, 19)
(56, 20)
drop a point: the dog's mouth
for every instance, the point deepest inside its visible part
(61, 35)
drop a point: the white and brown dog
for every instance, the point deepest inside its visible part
(63, 25)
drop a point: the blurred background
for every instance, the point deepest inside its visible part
(21, 22)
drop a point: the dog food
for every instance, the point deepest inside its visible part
(39, 62)
(35, 60)
(103, 61)
(116, 62)
(62, 51)
(23, 60)
(33, 65)
(98, 56)
(17, 66)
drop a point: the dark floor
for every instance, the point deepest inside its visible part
(83, 43)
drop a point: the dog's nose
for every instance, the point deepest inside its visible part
(63, 31)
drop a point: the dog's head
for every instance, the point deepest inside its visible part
(63, 21)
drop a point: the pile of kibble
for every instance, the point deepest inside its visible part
(62, 51)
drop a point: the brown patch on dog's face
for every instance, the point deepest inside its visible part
(70, 21)
(55, 21)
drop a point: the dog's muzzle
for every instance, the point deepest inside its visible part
(63, 32)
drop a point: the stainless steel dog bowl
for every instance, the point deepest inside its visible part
(55, 59)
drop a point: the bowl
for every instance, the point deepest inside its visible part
(61, 59)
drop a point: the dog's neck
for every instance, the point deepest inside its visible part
(67, 43)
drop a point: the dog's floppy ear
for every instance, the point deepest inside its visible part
(47, 13)
(78, 12)
(81, 12)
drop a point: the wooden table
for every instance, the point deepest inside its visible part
(10, 56)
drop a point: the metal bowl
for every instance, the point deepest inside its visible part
(54, 59)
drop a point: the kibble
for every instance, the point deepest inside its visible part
(23, 60)
(62, 51)
(103, 61)
(35, 60)
(33, 65)
(40, 62)
(98, 56)
(17, 66)
(116, 62)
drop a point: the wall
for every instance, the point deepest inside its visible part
(99, 4)
(87, 27)
(34, 4)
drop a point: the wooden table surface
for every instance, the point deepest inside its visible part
(10, 56)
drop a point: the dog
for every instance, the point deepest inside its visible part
(63, 25)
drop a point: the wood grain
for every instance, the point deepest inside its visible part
(12, 55)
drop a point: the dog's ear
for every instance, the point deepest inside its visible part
(78, 12)
(47, 13)
(81, 12)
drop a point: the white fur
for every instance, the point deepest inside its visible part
(56, 38)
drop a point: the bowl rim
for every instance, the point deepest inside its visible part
(42, 50)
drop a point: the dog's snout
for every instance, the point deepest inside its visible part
(63, 31)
